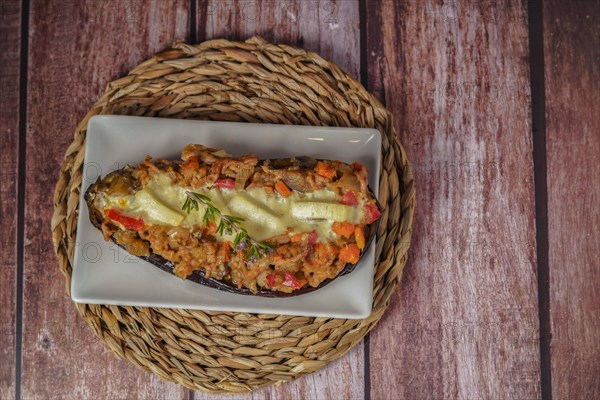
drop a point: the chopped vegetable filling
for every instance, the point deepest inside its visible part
(279, 225)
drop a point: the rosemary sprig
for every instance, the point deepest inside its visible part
(228, 224)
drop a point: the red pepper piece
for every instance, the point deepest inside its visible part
(135, 224)
(291, 281)
(357, 166)
(349, 199)
(372, 213)
(225, 183)
(313, 237)
(271, 279)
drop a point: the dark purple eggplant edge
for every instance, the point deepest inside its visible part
(96, 219)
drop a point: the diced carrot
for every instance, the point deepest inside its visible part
(277, 257)
(350, 253)
(297, 237)
(343, 229)
(282, 189)
(325, 169)
(359, 236)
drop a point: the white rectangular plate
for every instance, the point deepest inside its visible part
(106, 274)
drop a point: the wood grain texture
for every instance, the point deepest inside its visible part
(456, 77)
(10, 37)
(331, 29)
(76, 48)
(572, 74)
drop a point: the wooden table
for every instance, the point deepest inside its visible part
(497, 104)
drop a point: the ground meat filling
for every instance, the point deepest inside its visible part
(298, 259)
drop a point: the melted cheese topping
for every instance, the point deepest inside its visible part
(265, 215)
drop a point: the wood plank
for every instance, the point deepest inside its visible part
(10, 39)
(76, 48)
(332, 30)
(456, 77)
(572, 86)
(327, 27)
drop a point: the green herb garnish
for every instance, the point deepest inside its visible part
(228, 224)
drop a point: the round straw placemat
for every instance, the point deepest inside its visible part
(251, 81)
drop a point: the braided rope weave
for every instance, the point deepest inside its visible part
(252, 81)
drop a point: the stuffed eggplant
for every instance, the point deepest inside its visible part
(275, 228)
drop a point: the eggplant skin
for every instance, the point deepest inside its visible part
(97, 218)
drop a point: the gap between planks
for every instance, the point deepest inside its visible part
(538, 132)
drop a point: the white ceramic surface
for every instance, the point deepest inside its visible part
(105, 274)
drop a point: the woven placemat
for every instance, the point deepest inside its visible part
(252, 81)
